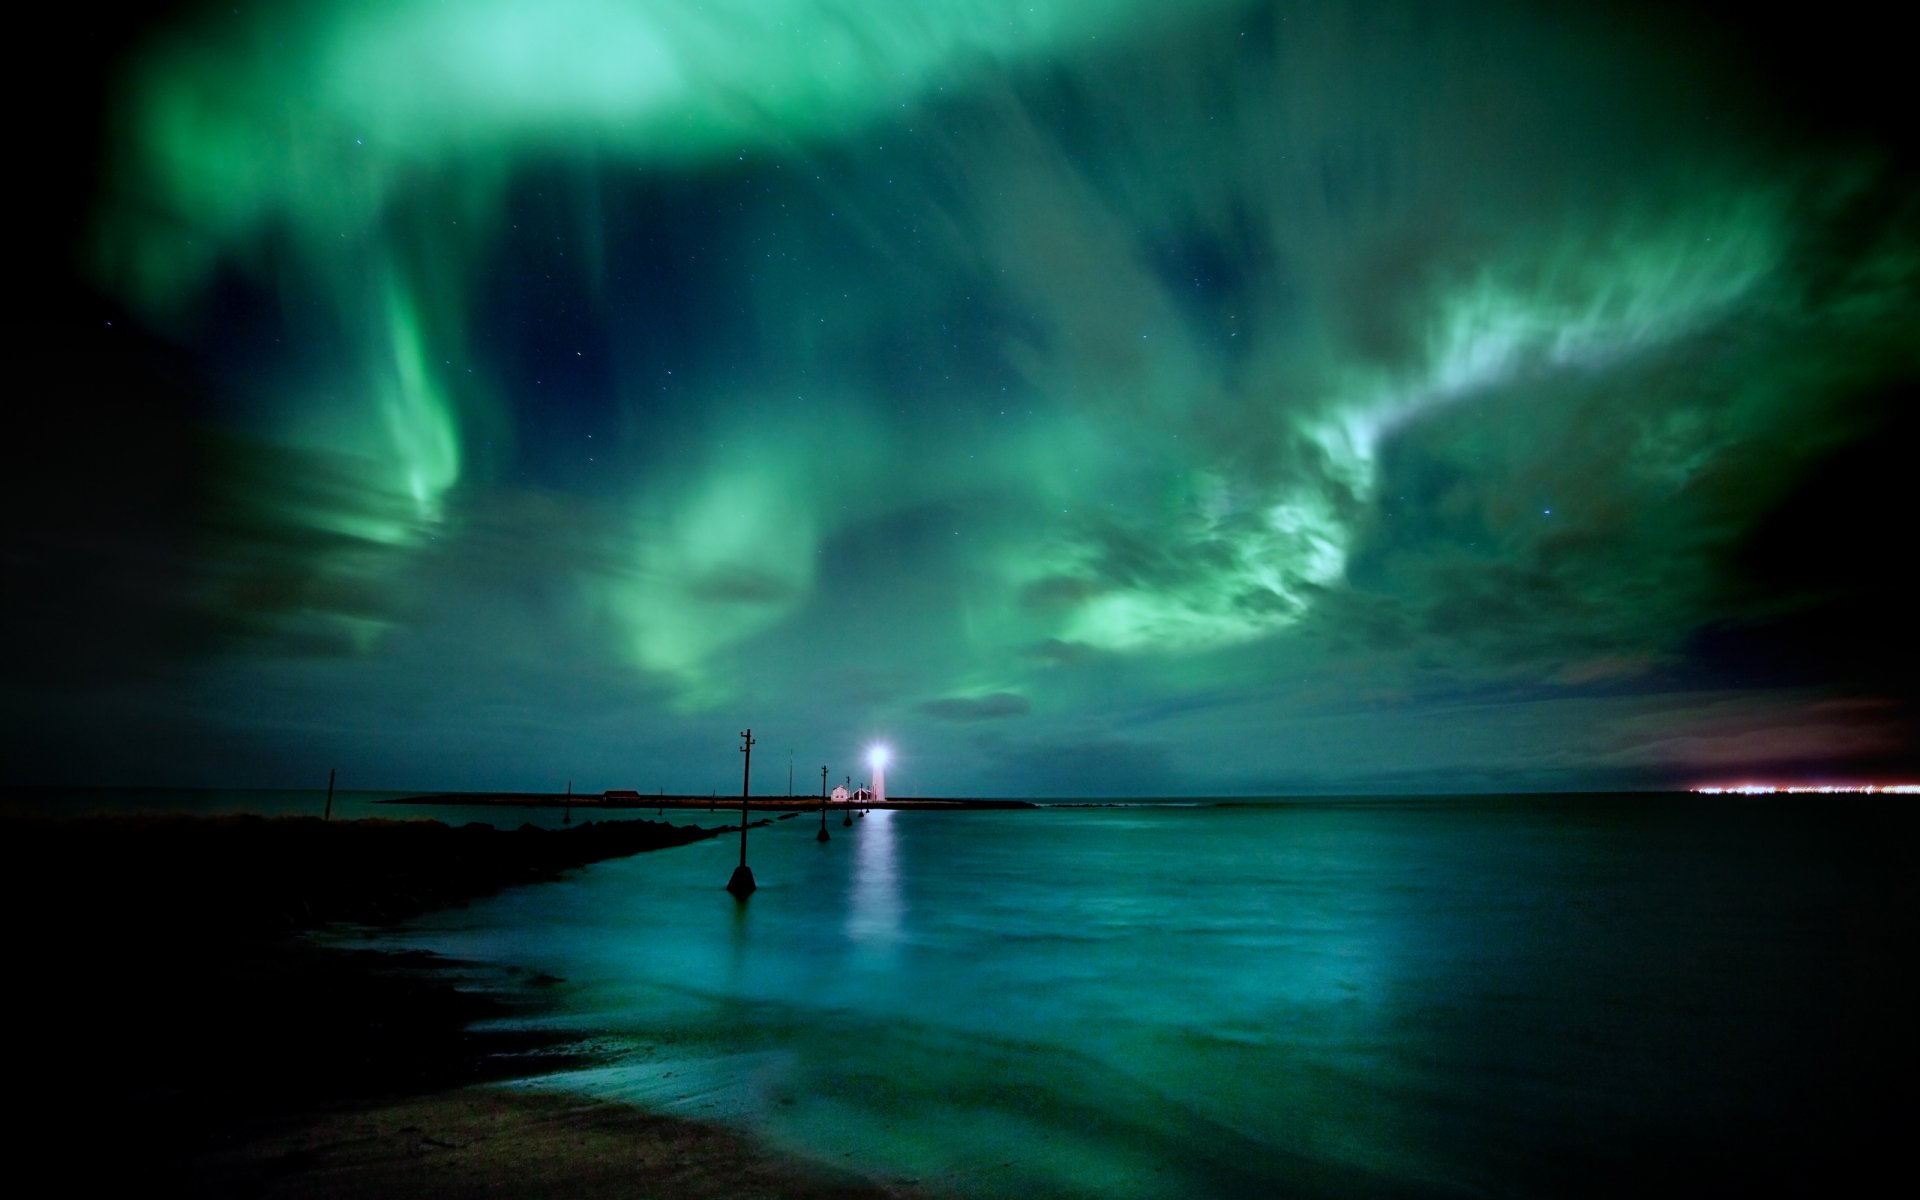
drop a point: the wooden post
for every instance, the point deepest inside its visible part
(824, 835)
(331, 771)
(742, 885)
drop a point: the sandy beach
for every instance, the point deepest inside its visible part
(180, 1032)
(494, 1142)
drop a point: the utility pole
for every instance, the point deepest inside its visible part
(789, 774)
(567, 817)
(849, 819)
(742, 885)
(824, 835)
(331, 772)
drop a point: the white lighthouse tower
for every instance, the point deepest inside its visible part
(877, 759)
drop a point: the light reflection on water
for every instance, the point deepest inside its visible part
(873, 901)
(1483, 997)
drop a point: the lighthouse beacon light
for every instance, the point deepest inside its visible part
(877, 756)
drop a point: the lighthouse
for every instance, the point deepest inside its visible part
(877, 759)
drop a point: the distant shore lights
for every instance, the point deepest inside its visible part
(1825, 789)
(877, 759)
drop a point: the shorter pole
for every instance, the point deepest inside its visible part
(331, 771)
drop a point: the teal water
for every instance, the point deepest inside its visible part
(1491, 996)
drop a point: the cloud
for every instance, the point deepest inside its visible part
(977, 708)
(1245, 366)
(1092, 765)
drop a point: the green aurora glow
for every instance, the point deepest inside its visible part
(1260, 397)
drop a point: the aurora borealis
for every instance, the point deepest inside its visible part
(1087, 398)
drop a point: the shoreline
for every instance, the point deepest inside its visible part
(487, 1141)
(194, 1018)
(590, 802)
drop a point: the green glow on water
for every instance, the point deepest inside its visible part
(1342, 998)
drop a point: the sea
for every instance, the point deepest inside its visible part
(1425, 996)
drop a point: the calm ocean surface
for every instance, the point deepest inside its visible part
(1494, 996)
(1503, 996)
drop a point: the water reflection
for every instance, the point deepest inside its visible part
(874, 907)
(741, 937)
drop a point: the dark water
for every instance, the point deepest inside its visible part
(1473, 996)
(1490, 996)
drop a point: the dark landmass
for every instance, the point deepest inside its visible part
(177, 1030)
(220, 877)
(594, 802)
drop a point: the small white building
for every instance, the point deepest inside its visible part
(839, 795)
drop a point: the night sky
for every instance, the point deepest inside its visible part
(1085, 398)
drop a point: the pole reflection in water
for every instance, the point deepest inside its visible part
(739, 944)
(873, 897)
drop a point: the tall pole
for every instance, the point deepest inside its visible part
(331, 772)
(789, 774)
(849, 817)
(742, 885)
(824, 836)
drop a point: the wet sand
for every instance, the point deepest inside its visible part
(506, 1142)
